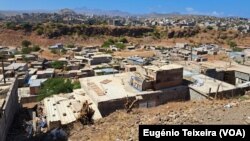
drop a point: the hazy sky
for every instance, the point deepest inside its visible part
(206, 7)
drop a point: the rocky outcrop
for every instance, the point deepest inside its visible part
(98, 30)
(182, 33)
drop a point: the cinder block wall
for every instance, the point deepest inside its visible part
(168, 78)
(9, 110)
(107, 107)
(160, 97)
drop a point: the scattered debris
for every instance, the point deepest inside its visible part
(86, 113)
(228, 106)
(130, 105)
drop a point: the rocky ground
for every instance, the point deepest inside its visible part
(124, 126)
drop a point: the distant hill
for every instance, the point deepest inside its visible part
(88, 11)
(18, 12)
(99, 12)
(66, 11)
(2, 15)
(9, 13)
(158, 15)
(83, 10)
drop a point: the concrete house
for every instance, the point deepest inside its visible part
(7, 52)
(135, 60)
(99, 59)
(35, 85)
(105, 71)
(57, 46)
(17, 67)
(48, 73)
(157, 86)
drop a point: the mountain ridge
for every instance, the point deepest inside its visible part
(99, 12)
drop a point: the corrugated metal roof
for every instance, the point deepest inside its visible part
(36, 82)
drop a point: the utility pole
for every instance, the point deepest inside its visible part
(3, 72)
(191, 53)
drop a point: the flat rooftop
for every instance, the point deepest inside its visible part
(101, 56)
(49, 71)
(226, 66)
(14, 66)
(165, 67)
(109, 87)
(204, 83)
(36, 82)
(32, 71)
(116, 86)
(23, 92)
(66, 107)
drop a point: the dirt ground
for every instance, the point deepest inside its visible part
(221, 57)
(141, 53)
(124, 126)
(14, 38)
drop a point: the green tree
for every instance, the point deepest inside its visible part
(236, 49)
(63, 51)
(36, 48)
(123, 40)
(156, 35)
(232, 44)
(54, 51)
(106, 44)
(120, 45)
(26, 43)
(10, 25)
(39, 31)
(55, 86)
(26, 26)
(70, 45)
(76, 85)
(111, 41)
(57, 64)
(210, 28)
(24, 58)
(26, 50)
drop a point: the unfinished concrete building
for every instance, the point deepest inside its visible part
(156, 78)
(99, 59)
(205, 87)
(229, 72)
(8, 105)
(154, 86)
(217, 79)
